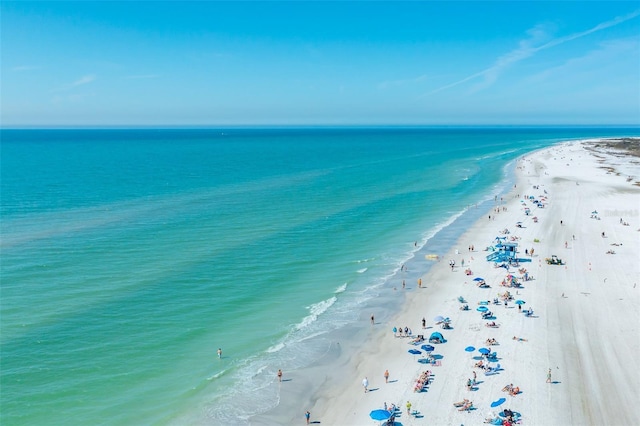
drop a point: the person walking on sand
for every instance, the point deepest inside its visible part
(549, 376)
(307, 415)
(279, 375)
(424, 323)
(220, 353)
(408, 408)
(373, 319)
(365, 384)
(386, 376)
(419, 282)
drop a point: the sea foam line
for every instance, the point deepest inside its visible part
(316, 310)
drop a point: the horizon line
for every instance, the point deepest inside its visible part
(293, 126)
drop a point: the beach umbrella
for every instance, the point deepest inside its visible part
(469, 349)
(482, 309)
(379, 415)
(427, 348)
(498, 402)
(484, 351)
(478, 279)
(439, 318)
(520, 302)
(414, 351)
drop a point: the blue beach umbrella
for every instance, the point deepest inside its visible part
(478, 279)
(484, 351)
(469, 349)
(520, 302)
(482, 309)
(427, 348)
(498, 402)
(439, 318)
(379, 415)
(414, 351)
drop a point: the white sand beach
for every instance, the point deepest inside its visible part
(585, 325)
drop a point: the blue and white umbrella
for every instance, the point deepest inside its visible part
(482, 308)
(484, 351)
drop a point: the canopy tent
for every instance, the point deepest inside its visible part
(436, 336)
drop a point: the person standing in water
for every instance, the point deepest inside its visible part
(220, 353)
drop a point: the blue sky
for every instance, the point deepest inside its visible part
(313, 63)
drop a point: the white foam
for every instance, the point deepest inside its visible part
(316, 310)
(215, 376)
(341, 289)
(362, 271)
(260, 370)
(275, 348)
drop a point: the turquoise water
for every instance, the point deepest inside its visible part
(130, 256)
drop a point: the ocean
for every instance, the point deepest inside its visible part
(129, 256)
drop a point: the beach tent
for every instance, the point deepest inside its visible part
(436, 335)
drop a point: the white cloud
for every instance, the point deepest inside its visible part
(21, 68)
(528, 48)
(603, 56)
(86, 79)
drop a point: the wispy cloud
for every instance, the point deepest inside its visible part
(603, 56)
(21, 68)
(141, 76)
(528, 48)
(86, 79)
(397, 83)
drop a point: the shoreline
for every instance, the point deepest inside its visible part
(332, 389)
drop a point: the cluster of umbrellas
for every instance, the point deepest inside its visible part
(483, 351)
(426, 348)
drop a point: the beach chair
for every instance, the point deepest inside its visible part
(492, 370)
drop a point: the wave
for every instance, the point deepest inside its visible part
(341, 289)
(362, 271)
(215, 376)
(275, 348)
(316, 310)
